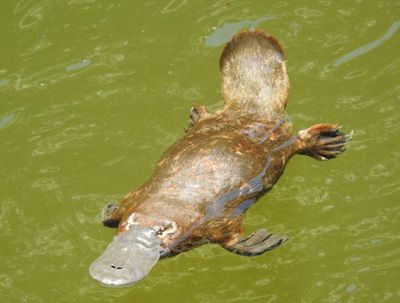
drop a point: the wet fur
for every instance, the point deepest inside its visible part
(226, 161)
(253, 75)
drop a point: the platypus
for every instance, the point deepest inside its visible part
(203, 184)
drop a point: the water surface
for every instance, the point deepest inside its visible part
(92, 92)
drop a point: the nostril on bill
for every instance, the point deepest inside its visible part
(116, 267)
(128, 258)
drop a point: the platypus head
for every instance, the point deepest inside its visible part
(139, 243)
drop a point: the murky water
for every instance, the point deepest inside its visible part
(92, 92)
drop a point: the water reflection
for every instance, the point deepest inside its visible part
(368, 47)
(9, 118)
(223, 34)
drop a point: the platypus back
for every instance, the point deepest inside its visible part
(226, 161)
(253, 75)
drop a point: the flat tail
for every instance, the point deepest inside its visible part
(253, 75)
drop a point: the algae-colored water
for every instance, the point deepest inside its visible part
(91, 94)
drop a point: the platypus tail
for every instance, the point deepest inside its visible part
(253, 75)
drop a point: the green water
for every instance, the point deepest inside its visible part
(91, 94)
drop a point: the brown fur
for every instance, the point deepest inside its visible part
(203, 185)
(253, 75)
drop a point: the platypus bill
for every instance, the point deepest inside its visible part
(203, 184)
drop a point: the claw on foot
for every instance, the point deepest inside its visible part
(323, 141)
(197, 113)
(107, 215)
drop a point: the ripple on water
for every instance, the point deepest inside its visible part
(173, 6)
(382, 177)
(372, 241)
(78, 65)
(9, 118)
(48, 243)
(4, 82)
(312, 195)
(354, 74)
(308, 13)
(368, 47)
(343, 291)
(42, 44)
(50, 75)
(32, 12)
(7, 211)
(392, 68)
(45, 184)
(223, 34)
(353, 246)
(53, 143)
(245, 296)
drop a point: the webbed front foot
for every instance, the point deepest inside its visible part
(197, 113)
(109, 215)
(322, 141)
(257, 243)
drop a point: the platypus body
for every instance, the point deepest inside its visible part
(203, 185)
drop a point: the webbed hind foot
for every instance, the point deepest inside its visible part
(322, 141)
(257, 243)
